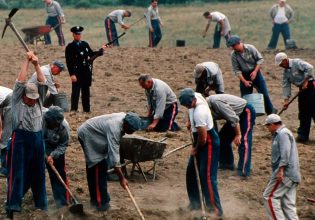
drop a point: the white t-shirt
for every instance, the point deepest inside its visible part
(280, 16)
(218, 16)
(200, 116)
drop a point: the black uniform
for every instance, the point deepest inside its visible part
(77, 55)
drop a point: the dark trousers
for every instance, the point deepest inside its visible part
(306, 104)
(156, 35)
(61, 195)
(168, 121)
(217, 36)
(260, 84)
(53, 22)
(3, 168)
(284, 29)
(26, 169)
(227, 134)
(111, 31)
(85, 96)
(207, 159)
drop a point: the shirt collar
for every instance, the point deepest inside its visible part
(290, 63)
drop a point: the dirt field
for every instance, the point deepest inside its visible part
(115, 89)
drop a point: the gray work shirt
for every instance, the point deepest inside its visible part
(56, 140)
(4, 92)
(28, 118)
(117, 16)
(160, 97)
(54, 9)
(284, 153)
(214, 76)
(46, 70)
(246, 62)
(297, 72)
(152, 14)
(217, 17)
(101, 136)
(225, 106)
(5, 114)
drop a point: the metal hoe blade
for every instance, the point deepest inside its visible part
(12, 12)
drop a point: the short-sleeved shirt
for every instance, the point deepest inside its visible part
(218, 16)
(101, 136)
(200, 116)
(54, 9)
(46, 70)
(117, 16)
(246, 62)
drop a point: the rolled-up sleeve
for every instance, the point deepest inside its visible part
(286, 86)
(120, 19)
(235, 65)
(160, 104)
(113, 140)
(257, 55)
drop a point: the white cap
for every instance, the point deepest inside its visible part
(272, 118)
(282, 0)
(279, 58)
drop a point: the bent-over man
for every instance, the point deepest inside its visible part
(162, 104)
(280, 193)
(238, 129)
(206, 149)
(100, 139)
(208, 76)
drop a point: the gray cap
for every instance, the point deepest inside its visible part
(186, 96)
(134, 121)
(54, 115)
(60, 65)
(272, 118)
(233, 40)
(280, 57)
(31, 91)
(199, 68)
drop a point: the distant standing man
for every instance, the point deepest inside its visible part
(222, 28)
(281, 15)
(78, 53)
(208, 76)
(154, 23)
(116, 16)
(280, 193)
(100, 139)
(301, 74)
(206, 149)
(55, 19)
(56, 132)
(238, 129)
(26, 152)
(246, 61)
(162, 104)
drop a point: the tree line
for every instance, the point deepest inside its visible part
(7, 4)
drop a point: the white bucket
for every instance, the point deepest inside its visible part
(257, 100)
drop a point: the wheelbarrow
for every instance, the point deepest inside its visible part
(138, 149)
(35, 33)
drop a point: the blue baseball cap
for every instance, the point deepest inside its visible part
(186, 96)
(233, 40)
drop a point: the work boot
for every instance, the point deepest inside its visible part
(301, 140)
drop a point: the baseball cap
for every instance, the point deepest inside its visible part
(77, 29)
(186, 96)
(54, 114)
(233, 40)
(279, 58)
(134, 121)
(31, 91)
(272, 118)
(60, 65)
(199, 68)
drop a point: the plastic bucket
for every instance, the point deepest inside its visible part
(257, 100)
(61, 100)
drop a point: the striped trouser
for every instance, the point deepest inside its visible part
(55, 22)
(111, 31)
(280, 198)
(207, 159)
(155, 36)
(168, 121)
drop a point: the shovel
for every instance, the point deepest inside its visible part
(76, 207)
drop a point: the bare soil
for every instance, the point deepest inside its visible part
(115, 89)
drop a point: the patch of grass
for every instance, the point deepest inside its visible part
(250, 20)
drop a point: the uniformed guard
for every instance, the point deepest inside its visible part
(79, 66)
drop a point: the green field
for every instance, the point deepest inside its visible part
(250, 20)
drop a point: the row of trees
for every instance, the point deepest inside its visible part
(5, 4)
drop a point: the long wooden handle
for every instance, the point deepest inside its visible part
(135, 204)
(176, 149)
(294, 97)
(17, 34)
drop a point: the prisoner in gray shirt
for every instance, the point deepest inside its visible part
(28, 118)
(246, 62)
(117, 16)
(225, 106)
(152, 14)
(101, 137)
(284, 154)
(296, 74)
(54, 9)
(46, 70)
(159, 97)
